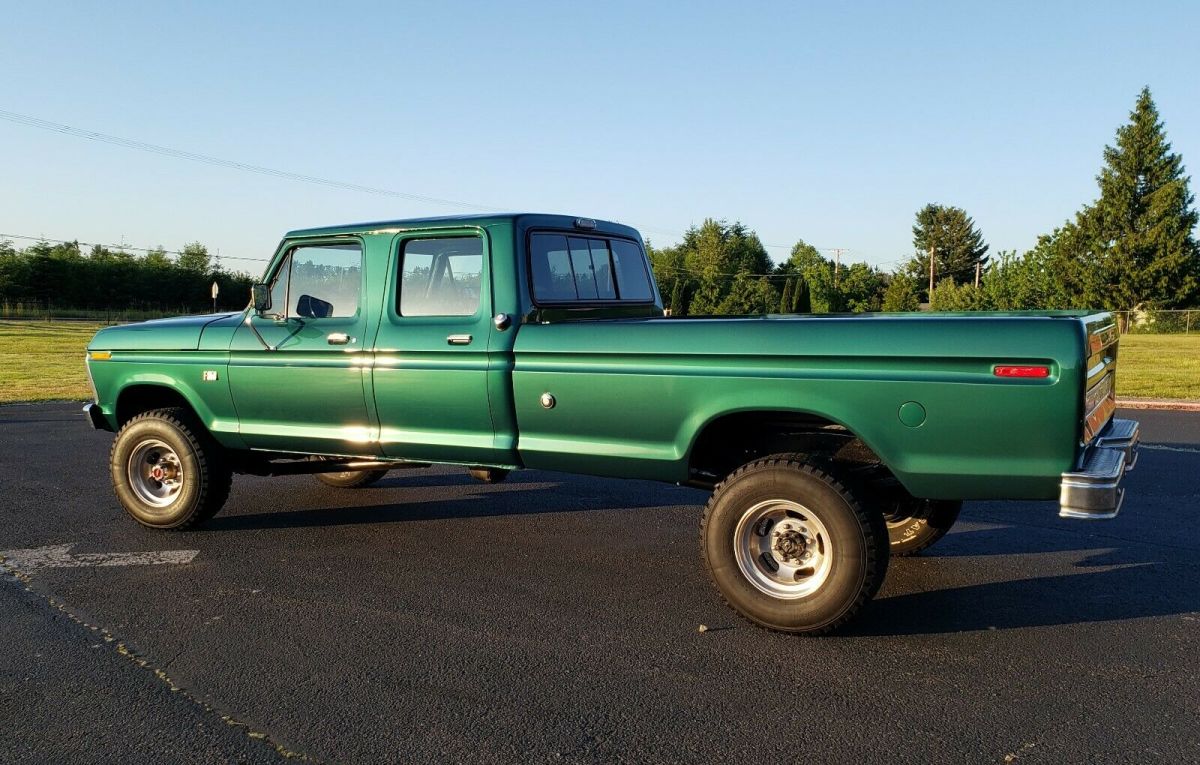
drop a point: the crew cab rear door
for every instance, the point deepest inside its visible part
(433, 368)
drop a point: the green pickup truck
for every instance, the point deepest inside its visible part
(513, 341)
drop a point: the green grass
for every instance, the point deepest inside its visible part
(43, 361)
(1159, 366)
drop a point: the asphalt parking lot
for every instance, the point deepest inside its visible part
(552, 618)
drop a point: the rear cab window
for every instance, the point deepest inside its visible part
(568, 268)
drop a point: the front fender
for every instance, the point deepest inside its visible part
(185, 375)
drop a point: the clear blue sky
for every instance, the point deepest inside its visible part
(825, 123)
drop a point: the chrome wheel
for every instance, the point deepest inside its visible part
(783, 549)
(155, 473)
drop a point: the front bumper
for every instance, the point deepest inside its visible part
(96, 417)
(1093, 491)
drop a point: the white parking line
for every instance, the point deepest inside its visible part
(1165, 448)
(59, 556)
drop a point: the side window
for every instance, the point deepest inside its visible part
(585, 269)
(319, 282)
(440, 277)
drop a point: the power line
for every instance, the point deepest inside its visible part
(166, 151)
(128, 143)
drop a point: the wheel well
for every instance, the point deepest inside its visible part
(142, 398)
(732, 440)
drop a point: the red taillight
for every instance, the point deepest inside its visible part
(1013, 371)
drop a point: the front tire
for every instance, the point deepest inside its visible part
(167, 471)
(790, 548)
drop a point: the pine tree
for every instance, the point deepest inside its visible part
(717, 252)
(678, 299)
(1140, 231)
(785, 302)
(901, 294)
(956, 243)
(801, 298)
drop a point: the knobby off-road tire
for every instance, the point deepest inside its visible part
(351, 479)
(916, 524)
(789, 548)
(168, 473)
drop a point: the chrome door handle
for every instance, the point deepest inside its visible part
(459, 339)
(338, 338)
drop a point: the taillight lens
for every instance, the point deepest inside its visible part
(1022, 371)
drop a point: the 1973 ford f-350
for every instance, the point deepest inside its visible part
(538, 341)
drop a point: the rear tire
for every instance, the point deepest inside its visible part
(351, 479)
(916, 524)
(790, 548)
(167, 472)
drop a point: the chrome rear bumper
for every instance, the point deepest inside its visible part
(1093, 491)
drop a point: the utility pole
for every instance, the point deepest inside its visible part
(931, 262)
(978, 268)
(837, 263)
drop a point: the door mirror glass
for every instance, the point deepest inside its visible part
(260, 297)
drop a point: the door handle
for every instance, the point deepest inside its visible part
(338, 338)
(459, 339)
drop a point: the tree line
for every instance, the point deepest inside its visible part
(48, 276)
(1132, 248)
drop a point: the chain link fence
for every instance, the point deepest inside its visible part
(1152, 322)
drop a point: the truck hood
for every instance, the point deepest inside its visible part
(181, 333)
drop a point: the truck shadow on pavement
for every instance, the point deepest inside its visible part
(1110, 595)
(1117, 579)
(474, 500)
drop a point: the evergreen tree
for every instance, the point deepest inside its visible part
(749, 294)
(801, 299)
(902, 294)
(950, 234)
(817, 274)
(785, 302)
(1139, 233)
(718, 254)
(679, 299)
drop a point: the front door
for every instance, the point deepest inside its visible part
(305, 392)
(432, 364)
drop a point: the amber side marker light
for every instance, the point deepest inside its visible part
(99, 355)
(1014, 371)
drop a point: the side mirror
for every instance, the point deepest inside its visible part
(260, 297)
